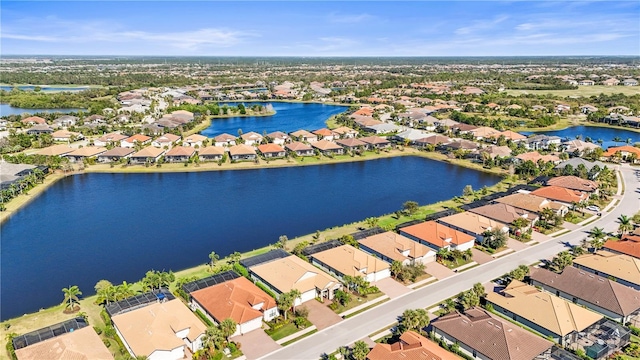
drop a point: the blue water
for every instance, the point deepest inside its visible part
(289, 117)
(117, 226)
(44, 88)
(605, 134)
(6, 110)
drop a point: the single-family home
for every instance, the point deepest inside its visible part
(165, 141)
(535, 157)
(55, 150)
(40, 129)
(622, 268)
(300, 149)
(473, 224)
(435, 140)
(574, 183)
(304, 135)
(533, 203)
(66, 120)
(483, 132)
(115, 154)
(85, 153)
(611, 82)
(345, 132)
(131, 141)
(376, 142)
(576, 161)
(150, 154)
(578, 147)
(630, 82)
(109, 139)
(587, 109)
(328, 147)
(461, 144)
(224, 140)
(560, 194)
(72, 339)
(194, 140)
(211, 153)
(391, 247)
(179, 154)
(66, 136)
(271, 151)
(496, 151)
(543, 312)
(438, 236)
(481, 335)
(540, 142)
(325, 133)
(506, 214)
(384, 128)
(278, 137)
(232, 297)
(242, 152)
(626, 153)
(352, 144)
(410, 136)
(462, 128)
(34, 120)
(285, 274)
(604, 296)
(628, 245)
(411, 345)
(347, 260)
(251, 138)
(508, 135)
(164, 329)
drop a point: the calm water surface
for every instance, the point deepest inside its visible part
(289, 117)
(117, 226)
(6, 110)
(605, 134)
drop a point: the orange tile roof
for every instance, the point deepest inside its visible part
(437, 234)
(34, 119)
(211, 150)
(234, 299)
(366, 111)
(535, 156)
(181, 151)
(411, 346)
(626, 148)
(55, 150)
(629, 245)
(270, 148)
(323, 132)
(241, 150)
(509, 135)
(560, 194)
(326, 145)
(138, 137)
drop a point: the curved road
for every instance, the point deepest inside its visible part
(360, 326)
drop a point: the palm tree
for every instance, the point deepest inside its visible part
(617, 139)
(625, 224)
(295, 295)
(228, 327)
(597, 233)
(284, 303)
(561, 261)
(213, 339)
(71, 297)
(396, 268)
(213, 259)
(413, 319)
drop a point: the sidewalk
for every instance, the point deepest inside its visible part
(296, 335)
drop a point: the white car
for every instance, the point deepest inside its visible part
(593, 208)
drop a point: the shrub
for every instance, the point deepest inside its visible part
(241, 270)
(204, 318)
(106, 342)
(97, 330)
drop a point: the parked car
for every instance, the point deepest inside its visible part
(593, 208)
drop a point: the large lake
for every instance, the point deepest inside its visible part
(595, 133)
(6, 110)
(289, 117)
(117, 226)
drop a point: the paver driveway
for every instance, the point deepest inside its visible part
(391, 288)
(320, 315)
(256, 344)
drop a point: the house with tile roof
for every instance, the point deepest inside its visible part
(574, 183)
(535, 156)
(626, 153)
(304, 135)
(165, 141)
(131, 141)
(352, 144)
(473, 224)
(344, 132)
(300, 149)
(543, 312)
(410, 346)
(325, 133)
(508, 135)
(150, 154)
(272, 151)
(79, 344)
(621, 267)
(561, 194)
(211, 153)
(66, 135)
(251, 138)
(602, 295)
(376, 142)
(237, 299)
(55, 150)
(242, 152)
(533, 203)
(506, 214)
(391, 247)
(194, 140)
(482, 335)
(328, 147)
(628, 245)
(85, 153)
(33, 120)
(108, 139)
(160, 330)
(278, 137)
(224, 140)
(179, 154)
(437, 236)
(347, 260)
(115, 154)
(291, 272)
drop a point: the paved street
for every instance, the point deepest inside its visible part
(358, 327)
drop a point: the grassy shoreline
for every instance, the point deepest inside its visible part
(567, 123)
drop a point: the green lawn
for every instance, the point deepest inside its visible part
(356, 301)
(285, 330)
(455, 263)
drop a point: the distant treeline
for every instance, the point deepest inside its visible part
(93, 99)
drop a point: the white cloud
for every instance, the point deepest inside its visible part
(349, 18)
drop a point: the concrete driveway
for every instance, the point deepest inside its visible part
(438, 270)
(516, 245)
(480, 257)
(539, 237)
(391, 288)
(320, 315)
(256, 344)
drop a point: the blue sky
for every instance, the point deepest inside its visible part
(333, 28)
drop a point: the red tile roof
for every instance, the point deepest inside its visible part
(437, 234)
(560, 194)
(629, 245)
(411, 346)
